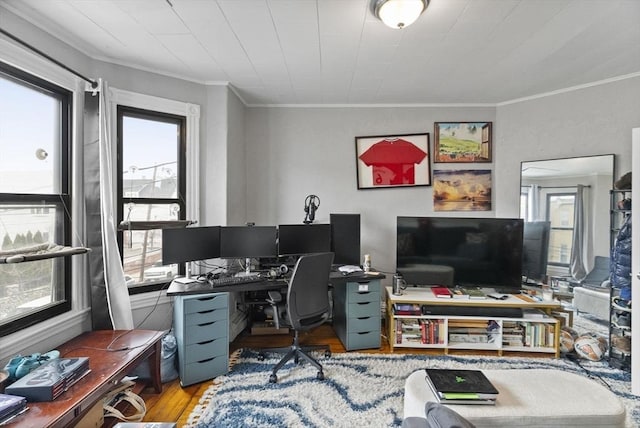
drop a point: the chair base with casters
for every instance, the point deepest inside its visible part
(307, 306)
(295, 352)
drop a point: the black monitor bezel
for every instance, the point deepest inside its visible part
(266, 236)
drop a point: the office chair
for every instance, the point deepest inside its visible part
(307, 308)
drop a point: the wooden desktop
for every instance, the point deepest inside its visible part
(112, 355)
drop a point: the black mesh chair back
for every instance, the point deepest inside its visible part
(308, 293)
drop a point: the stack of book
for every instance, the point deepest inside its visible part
(51, 379)
(11, 406)
(461, 386)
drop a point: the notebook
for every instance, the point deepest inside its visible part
(461, 386)
(441, 292)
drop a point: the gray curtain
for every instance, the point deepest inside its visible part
(110, 304)
(576, 266)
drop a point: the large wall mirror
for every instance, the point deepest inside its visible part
(566, 207)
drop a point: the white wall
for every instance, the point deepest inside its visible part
(294, 152)
(590, 121)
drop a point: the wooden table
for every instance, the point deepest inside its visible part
(112, 354)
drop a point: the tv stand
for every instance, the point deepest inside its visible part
(516, 324)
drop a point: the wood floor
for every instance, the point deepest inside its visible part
(175, 403)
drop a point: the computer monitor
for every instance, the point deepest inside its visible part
(345, 238)
(535, 250)
(237, 242)
(297, 239)
(483, 252)
(190, 244)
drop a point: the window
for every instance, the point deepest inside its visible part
(151, 187)
(34, 196)
(560, 212)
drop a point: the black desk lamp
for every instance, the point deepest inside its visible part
(311, 204)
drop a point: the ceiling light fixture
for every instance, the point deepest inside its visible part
(399, 14)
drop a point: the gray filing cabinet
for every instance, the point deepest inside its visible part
(201, 328)
(356, 314)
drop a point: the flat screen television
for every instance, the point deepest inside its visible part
(535, 250)
(298, 239)
(238, 242)
(345, 238)
(482, 252)
(190, 244)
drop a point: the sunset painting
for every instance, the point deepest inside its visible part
(462, 190)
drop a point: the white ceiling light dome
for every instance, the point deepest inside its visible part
(399, 14)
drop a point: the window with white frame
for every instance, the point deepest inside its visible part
(35, 200)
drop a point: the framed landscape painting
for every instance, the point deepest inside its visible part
(462, 142)
(462, 190)
(384, 161)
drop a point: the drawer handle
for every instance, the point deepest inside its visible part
(204, 299)
(364, 282)
(364, 332)
(207, 323)
(207, 312)
(364, 303)
(205, 342)
(207, 360)
(364, 292)
(364, 318)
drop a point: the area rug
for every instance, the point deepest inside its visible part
(359, 390)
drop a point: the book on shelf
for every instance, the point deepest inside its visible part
(474, 293)
(530, 313)
(441, 292)
(458, 293)
(461, 386)
(407, 309)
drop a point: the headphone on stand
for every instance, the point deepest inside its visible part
(311, 204)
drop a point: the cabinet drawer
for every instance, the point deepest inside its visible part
(363, 287)
(205, 303)
(203, 370)
(367, 296)
(206, 316)
(363, 309)
(363, 324)
(370, 339)
(203, 332)
(205, 350)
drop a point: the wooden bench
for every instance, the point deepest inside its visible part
(112, 355)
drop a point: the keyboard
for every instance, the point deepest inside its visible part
(234, 280)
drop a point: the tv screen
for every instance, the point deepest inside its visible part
(297, 239)
(237, 242)
(481, 252)
(190, 244)
(535, 250)
(345, 238)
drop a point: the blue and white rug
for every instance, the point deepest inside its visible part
(359, 390)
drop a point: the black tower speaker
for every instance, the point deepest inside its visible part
(345, 238)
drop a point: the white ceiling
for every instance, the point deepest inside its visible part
(336, 52)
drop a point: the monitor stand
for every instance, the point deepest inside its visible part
(247, 269)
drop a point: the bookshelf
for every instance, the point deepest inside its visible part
(536, 331)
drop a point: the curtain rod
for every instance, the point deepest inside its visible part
(94, 84)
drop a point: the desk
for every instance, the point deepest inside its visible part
(201, 314)
(107, 369)
(197, 287)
